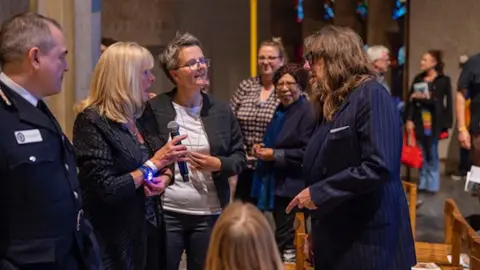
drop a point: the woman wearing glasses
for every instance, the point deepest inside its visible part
(215, 145)
(254, 103)
(278, 177)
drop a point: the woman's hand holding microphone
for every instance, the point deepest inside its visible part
(171, 152)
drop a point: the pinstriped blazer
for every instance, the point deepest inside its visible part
(352, 167)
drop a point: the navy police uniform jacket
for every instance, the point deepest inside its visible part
(41, 217)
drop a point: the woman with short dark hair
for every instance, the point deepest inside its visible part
(278, 177)
(215, 144)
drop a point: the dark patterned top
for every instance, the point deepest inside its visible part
(252, 114)
(106, 154)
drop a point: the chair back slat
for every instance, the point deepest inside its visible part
(411, 190)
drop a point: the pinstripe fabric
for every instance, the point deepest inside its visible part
(352, 165)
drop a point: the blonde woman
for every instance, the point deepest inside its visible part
(242, 239)
(117, 167)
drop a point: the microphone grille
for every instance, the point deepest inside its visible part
(173, 126)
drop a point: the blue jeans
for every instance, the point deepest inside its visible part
(430, 172)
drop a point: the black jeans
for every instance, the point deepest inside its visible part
(155, 246)
(464, 165)
(284, 223)
(190, 233)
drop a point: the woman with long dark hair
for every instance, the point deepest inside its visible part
(352, 162)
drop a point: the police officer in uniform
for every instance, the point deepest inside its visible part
(41, 217)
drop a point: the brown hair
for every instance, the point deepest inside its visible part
(438, 56)
(345, 67)
(242, 239)
(296, 71)
(277, 43)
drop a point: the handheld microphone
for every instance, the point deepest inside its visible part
(182, 165)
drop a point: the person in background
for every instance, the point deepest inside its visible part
(106, 42)
(42, 225)
(215, 145)
(429, 112)
(379, 56)
(464, 165)
(254, 104)
(278, 177)
(359, 212)
(465, 157)
(119, 166)
(242, 239)
(469, 86)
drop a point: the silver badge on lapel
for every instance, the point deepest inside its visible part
(5, 99)
(28, 136)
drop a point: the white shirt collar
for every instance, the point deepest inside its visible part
(18, 89)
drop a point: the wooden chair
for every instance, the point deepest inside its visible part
(469, 239)
(300, 237)
(411, 190)
(474, 249)
(438, 252)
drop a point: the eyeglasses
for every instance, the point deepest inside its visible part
(268, 58)
(309, 58)
(288, 84)
(194, 64)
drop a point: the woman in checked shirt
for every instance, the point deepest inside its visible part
(254, 103)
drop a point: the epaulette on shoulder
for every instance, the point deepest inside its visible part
(4, 98)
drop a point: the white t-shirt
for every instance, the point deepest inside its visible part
(198, 196)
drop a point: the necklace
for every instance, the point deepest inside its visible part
(132, 128)
(196, 117)
(194, 148)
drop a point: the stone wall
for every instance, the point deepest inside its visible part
(12, 7)
(221, 25)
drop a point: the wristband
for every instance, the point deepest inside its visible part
(151, 165)
(147, 173)
(462, 129)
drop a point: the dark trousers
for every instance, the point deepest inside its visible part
(244, 186)
(475, 150)
(284, 224)
(155, 247)
(71, 261)
(190, 233)
(464, 165)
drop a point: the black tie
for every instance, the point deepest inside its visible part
(42, 106)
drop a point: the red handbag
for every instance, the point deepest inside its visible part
(411, 154)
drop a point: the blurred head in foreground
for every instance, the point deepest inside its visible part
(242, 239)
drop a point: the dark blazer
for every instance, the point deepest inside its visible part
(42, 223)
(352, 165)
(289, 148)
(106, 154)
(223, 132)
(440, 104)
